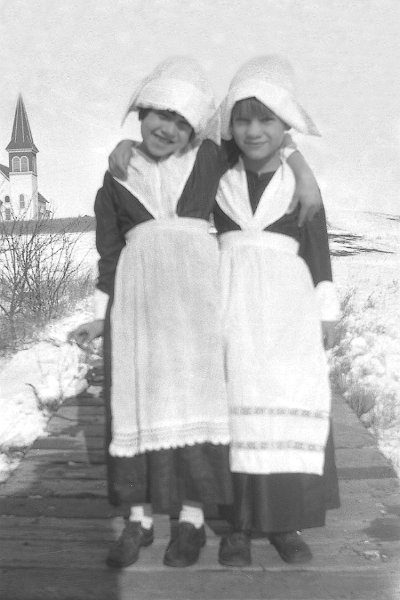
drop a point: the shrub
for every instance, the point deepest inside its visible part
(40, 276)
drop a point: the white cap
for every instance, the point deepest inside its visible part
(178, 84)
(269, 79)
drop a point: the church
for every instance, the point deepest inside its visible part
(19, 194)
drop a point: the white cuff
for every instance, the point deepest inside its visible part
(100, 304)
(328, 301)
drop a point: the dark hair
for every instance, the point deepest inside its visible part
(251, 108)
(143, 112)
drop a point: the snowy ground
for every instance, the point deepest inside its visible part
(36, 380)
(366, 265)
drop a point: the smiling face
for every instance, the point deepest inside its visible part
(258, 133)
(164, 133)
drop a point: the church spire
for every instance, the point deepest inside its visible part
(21, 137)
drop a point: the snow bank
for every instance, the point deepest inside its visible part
(34, 381)
(366, 362)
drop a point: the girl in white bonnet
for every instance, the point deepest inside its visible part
(279, 307)
(157, 307)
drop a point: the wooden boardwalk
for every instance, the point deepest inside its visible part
(56, 525)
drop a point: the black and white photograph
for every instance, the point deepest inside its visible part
(200, 300)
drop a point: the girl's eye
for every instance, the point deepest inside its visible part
(164, 115)
(183, 125)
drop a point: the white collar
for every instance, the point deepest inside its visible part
(233, 197)
(158, 185)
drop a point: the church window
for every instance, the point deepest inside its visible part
(8, 214)
(7, 199)
(16, 164)
(21, 201)
(24, 163)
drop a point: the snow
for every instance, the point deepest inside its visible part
(367, 358)
(34, 381)
(366, 267)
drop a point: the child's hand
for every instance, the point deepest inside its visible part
(307, 191)
(119, 159)
(328, 333)
(308, 194)
(86, 333)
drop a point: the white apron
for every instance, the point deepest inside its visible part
(168, 385)
(277, 375)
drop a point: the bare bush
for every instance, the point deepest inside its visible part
(38, 266)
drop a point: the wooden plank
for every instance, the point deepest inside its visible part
(76, 411)
(372, 472)
(185, 584)
(89, 507)
(69, 442)
(77, 479)
(360, 457)
(62, 507)
(49, 528)
(85, 400)
(350, 436)
(62, 438)
(62, 488)
(29, 471)
(337, 555)
(93, 428)
(85, 421)
(86, 455)
(358, 531)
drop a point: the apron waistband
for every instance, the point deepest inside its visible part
(174, 223)
(266, 239)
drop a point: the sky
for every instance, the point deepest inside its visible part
(76, 64)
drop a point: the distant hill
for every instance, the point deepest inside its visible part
(363, 231)
(67, 224)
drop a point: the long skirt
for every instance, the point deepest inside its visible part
(167, 417)
(283, 501)
(282, 458)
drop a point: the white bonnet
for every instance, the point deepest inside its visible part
(178, 84)
(271, 80)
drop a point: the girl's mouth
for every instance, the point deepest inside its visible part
(162, 140)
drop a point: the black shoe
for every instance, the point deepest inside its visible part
(235, 550)
(125, 551)
(291, 547)
(184, 547)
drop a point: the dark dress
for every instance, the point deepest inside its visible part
(164, 478)
(285, 501)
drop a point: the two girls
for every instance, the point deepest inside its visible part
(158, 269)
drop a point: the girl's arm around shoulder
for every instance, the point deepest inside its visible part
(119, 158)
(307, 192)
(109, 242)
(314, 249)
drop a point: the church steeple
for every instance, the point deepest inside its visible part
(21, 137)
(24, 195)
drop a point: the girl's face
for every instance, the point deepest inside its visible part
(257, 131)
(164, 133)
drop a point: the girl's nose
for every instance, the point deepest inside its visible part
(169, 128)
(254, 128)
